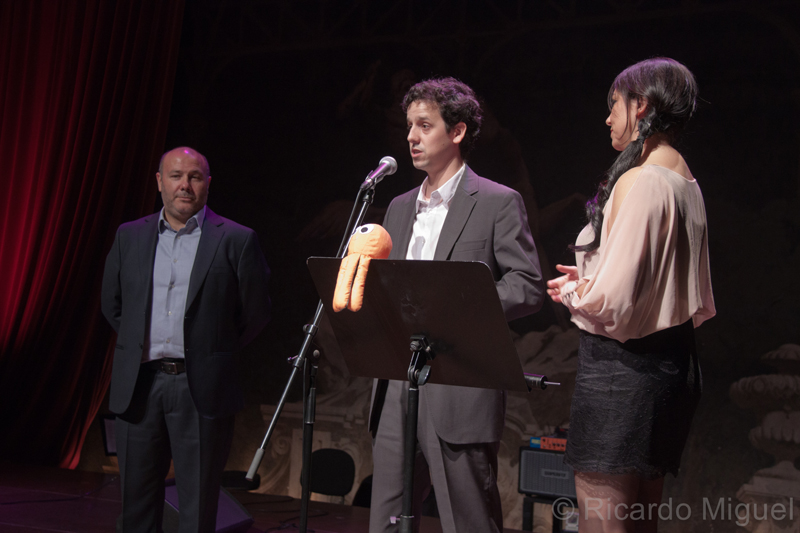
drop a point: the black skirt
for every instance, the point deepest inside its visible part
(633, 403)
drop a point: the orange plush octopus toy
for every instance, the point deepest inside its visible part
(368, 242)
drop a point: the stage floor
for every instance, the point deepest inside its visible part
(35, 500)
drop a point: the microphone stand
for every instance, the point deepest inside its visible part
(309, 367)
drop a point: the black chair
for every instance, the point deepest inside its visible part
(332, 472)
(363, 497)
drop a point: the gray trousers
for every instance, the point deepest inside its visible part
(163, 423)
(464, 476)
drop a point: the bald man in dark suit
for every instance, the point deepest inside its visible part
(185, 289)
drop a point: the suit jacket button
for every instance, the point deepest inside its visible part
(141, 346)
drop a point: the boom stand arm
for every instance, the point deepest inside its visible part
(299, 362)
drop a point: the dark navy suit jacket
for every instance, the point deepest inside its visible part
(226, 306)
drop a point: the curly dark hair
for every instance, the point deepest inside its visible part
(671, 94)
(456, 102)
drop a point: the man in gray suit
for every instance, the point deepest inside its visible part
(184, 289)
(459, 216)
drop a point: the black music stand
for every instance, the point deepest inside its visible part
(450, 314)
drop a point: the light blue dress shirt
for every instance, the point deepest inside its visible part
(172, 270)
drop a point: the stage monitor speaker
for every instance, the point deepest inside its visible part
(543, 473)
(232, 517)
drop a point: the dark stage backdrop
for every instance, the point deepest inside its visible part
(85, 92)
(294, 102)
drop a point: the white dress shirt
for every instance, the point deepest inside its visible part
(430, 217)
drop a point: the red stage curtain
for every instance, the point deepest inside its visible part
(85, 93)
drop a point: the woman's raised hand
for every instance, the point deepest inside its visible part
(555, 285)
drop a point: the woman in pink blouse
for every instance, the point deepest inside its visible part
(640, 286)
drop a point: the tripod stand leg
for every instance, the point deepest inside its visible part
(418, 373)
(308, 440)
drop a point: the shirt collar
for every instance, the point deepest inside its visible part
(198, 217)
(442, 195)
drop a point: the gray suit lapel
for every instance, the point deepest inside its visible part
(460, 210)
(213, 231)
(407, 216)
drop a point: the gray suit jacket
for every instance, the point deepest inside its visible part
(226, 306)
(486, 222)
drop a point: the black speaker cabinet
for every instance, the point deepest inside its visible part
(543, 473)
(232, 517)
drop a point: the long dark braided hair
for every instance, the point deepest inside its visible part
(671, 93)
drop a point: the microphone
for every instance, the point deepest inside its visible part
(387, 167)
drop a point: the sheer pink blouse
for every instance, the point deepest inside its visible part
(651, 270)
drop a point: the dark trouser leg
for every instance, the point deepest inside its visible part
(387, 455)
(143, 453)
(200, 449)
